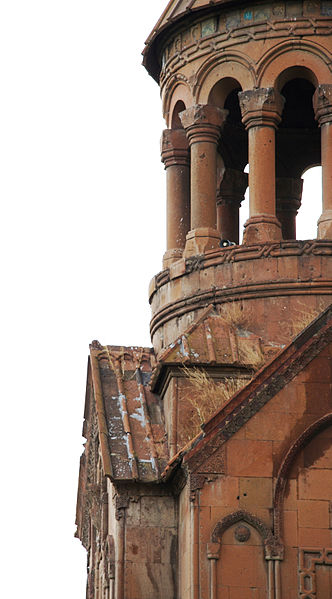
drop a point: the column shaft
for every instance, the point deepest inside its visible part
(177, 177)
(261, 113)
(326, 143)
(289, 195)
(203, 185)
(322, 101)
(203, 126)
(229, 198)
(175, 156)
(262, 187)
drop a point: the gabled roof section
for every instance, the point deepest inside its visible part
(130, 421)
(174, 11)
(214, 340)
(252, 397)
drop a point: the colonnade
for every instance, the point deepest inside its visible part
(199, 215)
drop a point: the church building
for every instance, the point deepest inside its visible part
(207, 467)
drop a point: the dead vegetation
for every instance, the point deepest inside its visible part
(236, 315)
(205, 397)
(304, 316)
(252, 356)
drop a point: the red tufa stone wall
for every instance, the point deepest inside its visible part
(271, 505)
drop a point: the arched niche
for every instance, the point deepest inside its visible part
(241, 545)
(302, 511)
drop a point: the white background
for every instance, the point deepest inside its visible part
(82, 233)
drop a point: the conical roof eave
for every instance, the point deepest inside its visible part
(174, 11)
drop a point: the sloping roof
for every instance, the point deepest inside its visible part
(130, 422)
(210, 340)
(174, 11)
(262, 387)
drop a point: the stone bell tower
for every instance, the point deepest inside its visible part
(242, 83)
(207, 470)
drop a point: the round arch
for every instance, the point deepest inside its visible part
(300, 54)
(287, 463)
(235, 66)
(178, 90)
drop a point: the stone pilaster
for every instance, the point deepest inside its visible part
(203, 127)
(175, 156)
(322, 101)
(261, 113)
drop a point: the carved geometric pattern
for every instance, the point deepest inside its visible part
(194, 43)
(242, 252)
(308, 560)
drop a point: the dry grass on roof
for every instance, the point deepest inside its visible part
(207, 396)
(236, 315)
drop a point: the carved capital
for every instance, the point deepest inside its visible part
(322, 102)
(174, 147)
(203, 122)
(232, 187)
(261, 107)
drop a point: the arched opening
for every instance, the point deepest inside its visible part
(176, 122)
(311, 206)
(233, 154)
(298, 147)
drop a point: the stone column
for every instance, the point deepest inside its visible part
(261, 113)
(175, 156)
(322, 101)
(203, 126)
(213, 554)
(289, 195)
(229, 197)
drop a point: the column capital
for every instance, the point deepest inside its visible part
(261, 107)
(174, 147)
(322, 102)
(203, 122)
(232, 187)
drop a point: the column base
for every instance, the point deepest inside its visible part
(171, 256)
(324, 225)
(199, 241)
(261, 228)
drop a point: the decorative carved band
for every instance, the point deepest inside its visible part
(200, 40)
(309, 558)
(232, 254)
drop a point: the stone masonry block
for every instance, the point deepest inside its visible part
(313, 514)
(249, 458)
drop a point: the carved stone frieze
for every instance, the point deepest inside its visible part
(240, 26)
